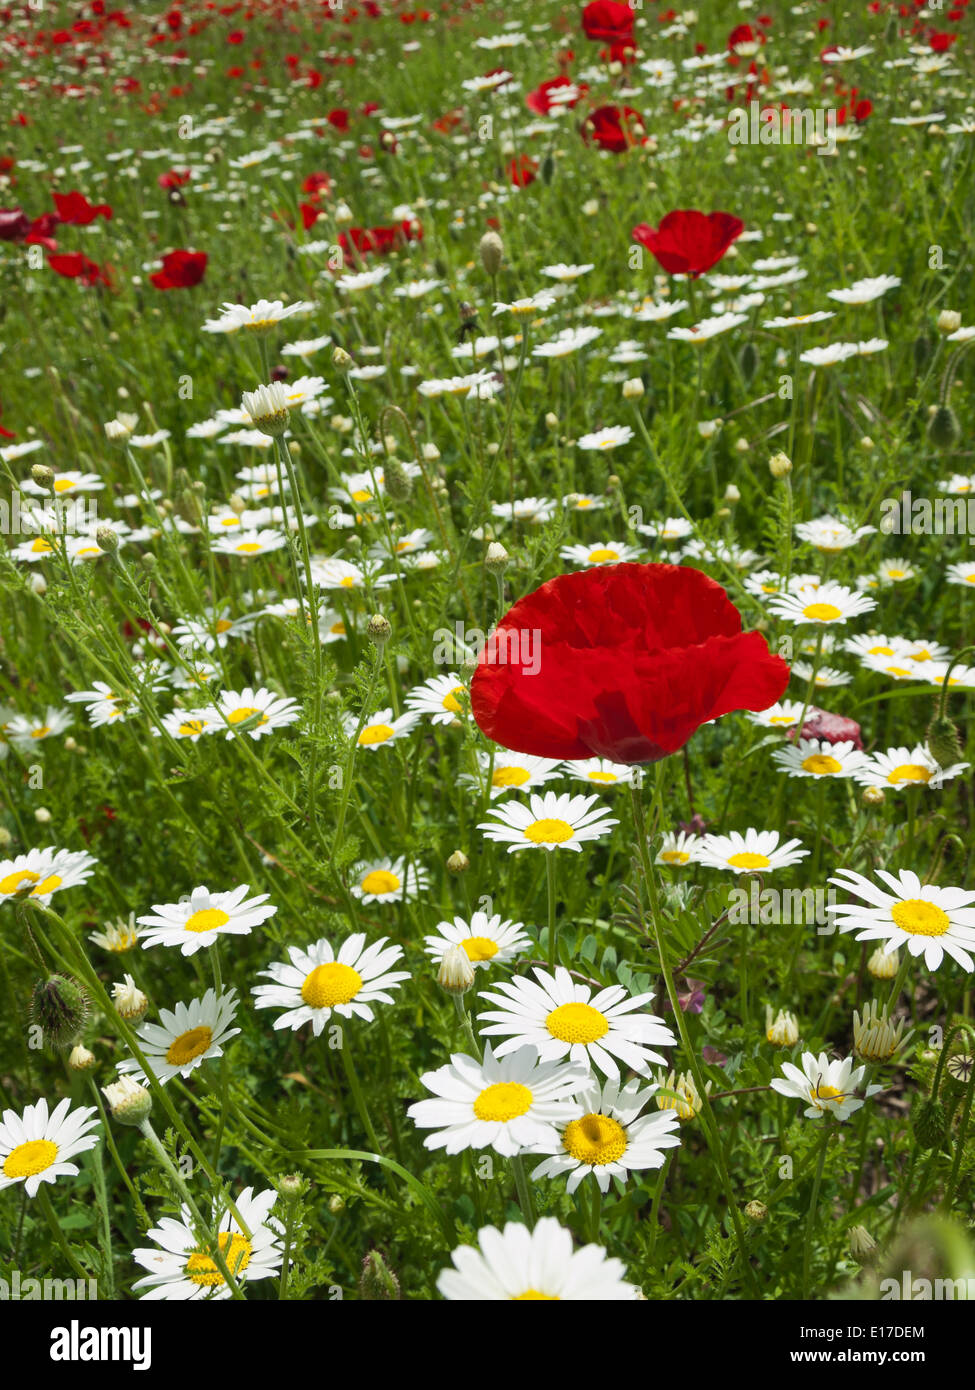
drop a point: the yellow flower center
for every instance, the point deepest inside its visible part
(238, 716)
(249, 547)
(602, 557)
(747, 860)
(223, 625)
(17, 880)
(347, 582)
(191, 727)
(602, 777)
(781, 719)
(48, 886)
(338, 629)
(909, 772)
(509, 777)
(375, 733)
(533, 1296)
(63, 484)
(331, 984)
(577, 1023)
(27, 1160)
(595, 1139)
(674, 856)
(880, 651)
(41, 546)
(549, 832)
(206, 919)
(189, 1045)
(821, 765)
(202, 1268)
(479, 947)
(362, 495)
(504, 1101)
(821, 612)
(380, 881)
(920, 918)
(451, 703)
(824, 1092)
(41, 732)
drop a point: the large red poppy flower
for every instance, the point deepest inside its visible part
(605, 21)
(622, 663)
(181, 270)
(688, 242)
(75, 210)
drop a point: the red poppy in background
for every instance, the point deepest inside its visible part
(605, 21)
(688, 242)
(624, 663)
(613, 128)
(523, 170)
(72, 265)
(181, 270)
(545, 96)
(174, 178)
(14, 224)
(74, 210)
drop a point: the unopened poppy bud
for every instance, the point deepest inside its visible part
(129, 1000)
(496, 558)
(748, 361)
(883, 965)
(456, 974)
(379, 630)
(492, 252)
(43, 476)
(756, 1211)
(377, 1281)
(944, 744)
(862, 1245)
(633, 389)
(59, 1007)
(944, 430)
(458, 863)
(949, 321)
(780, 465)
(130, 1103)
(929, 1120)
(81, 1059)
(397, 481)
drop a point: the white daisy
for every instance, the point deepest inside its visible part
(315, 981)
(610, 1139)
(562, 1018)
(548, 822)
(928, 920)
(520, 1265)
(865, 291)
(827, 1087)
(381, 729)
(387, 881)
(201, 918)
(907, 767)
(607, 553)
(678, 848)
(784, 714)
(38, 1145)
(757, 851)
(514, 772)
(181, 1269)
(445, 698)
(267, 710)
(185, 1037)
(610, 438)
(599, 772)
(812, 757)
(42, 872)
(822, 604)
(506, 1103)
(485, 940)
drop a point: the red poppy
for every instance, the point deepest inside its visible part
(74, 266)
(605, 21)
(622, 663)
(523, 170)
(181, 270)
(614, 128)
(174, 178)
(14, 224)
(75, 210)
(688, 242)
(545, 99)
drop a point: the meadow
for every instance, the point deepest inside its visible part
(486, 662)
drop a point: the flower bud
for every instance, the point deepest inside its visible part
(81, 1058)
(60, 1008)
(633, 390)
(379, 631)
(780, 465)
(43, 476)
(130, 1103)
(929, 1120)
(377, 1281)
(292, 1186)
(341, 359)
(783, 1029)
(873, 796)
(944, 430)
(107, 539)
(458, 863)
(492, 252)
(131, 1003)
(949, 321)
(862, 1245)
(875, 1038)
(944, 744)
(456, 973)
(883, 965)
(496, 558)
(398, 483)
(756, 1211)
